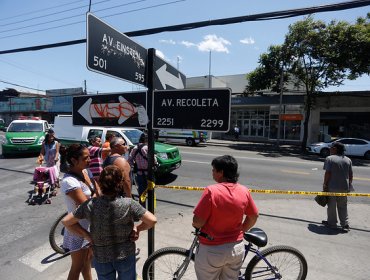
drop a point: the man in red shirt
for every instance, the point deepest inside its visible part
(225, 211)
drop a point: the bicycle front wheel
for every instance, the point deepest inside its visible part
(286, 263)
(169, 264)
(56, 235)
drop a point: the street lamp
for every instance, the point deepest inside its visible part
(280, 104)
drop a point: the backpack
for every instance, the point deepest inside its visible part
(135, 169)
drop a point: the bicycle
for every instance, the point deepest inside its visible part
(56, 235)
(276, 262)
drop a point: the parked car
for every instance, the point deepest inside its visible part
(2, 125)
(354, 147)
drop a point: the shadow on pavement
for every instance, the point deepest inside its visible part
(273, 151)
(17, 171)
(323, 230)
(53, 258)
(316, 227)
(165, 179)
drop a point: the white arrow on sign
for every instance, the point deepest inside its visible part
(122, 110)
(167, 78)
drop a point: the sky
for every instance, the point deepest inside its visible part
(235, 48)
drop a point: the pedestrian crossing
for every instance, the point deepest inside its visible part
(43, 257)
(37, 258)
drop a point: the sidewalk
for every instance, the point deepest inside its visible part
(255, 146)
(291, 221)
(287, 220)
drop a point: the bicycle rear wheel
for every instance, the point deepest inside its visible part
(56, 235)
(288, 263)
(164, 264)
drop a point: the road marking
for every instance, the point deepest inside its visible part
(36, 258)
(266, 159)
(43, 257)
(253, 158)
(202, 162)
(361, 179)
(294, 172)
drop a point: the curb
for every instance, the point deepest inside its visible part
(258, 147)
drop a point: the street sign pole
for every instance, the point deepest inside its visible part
(150, 86)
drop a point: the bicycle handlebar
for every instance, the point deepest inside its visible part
(198, 232)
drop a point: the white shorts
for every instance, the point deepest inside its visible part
(220, 261)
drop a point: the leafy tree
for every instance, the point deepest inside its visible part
(314, 55)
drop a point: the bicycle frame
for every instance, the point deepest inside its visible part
(249, 248)
(289, 260)
(184, 266)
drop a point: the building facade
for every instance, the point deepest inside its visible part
(340, 114)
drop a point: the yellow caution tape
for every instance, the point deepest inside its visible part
(187, 188)
(191, 188)
(151, 186)
(309, 193)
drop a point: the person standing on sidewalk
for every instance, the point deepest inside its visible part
(225, 211)
(118, 148)
(77, 187)
(96, 161)
(139, 157)
(236, 132)
(338, 178)
(113, 232)
(106, 144)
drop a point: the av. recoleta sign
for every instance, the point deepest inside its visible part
(113, 53)
(206, 109)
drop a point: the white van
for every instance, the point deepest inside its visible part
(67, 133)
(168, 156)
(182, 136)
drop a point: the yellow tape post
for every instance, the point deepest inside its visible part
(143, 196)
(191, 188)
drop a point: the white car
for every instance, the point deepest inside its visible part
(353, 146)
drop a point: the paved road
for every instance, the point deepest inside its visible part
(25, 252)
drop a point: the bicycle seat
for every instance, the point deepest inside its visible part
(257, 236)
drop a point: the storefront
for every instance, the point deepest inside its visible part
(258, 118)
(336, 115)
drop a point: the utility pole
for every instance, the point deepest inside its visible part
(85, 90)
(209, 70)
(150, 92)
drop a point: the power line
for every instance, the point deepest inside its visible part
(48, 15)
(13, 84)
(83, 21)
(30, 70)
(225, 21)
(39, 10)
